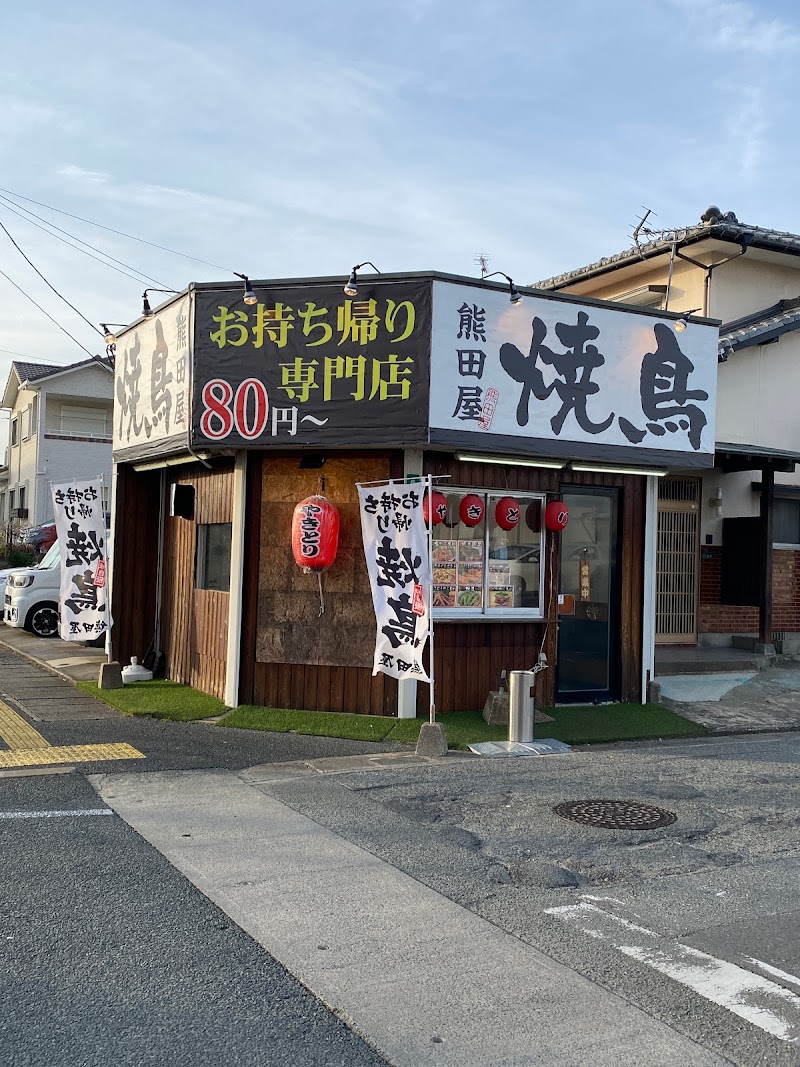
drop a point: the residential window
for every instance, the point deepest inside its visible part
(35, 415)
(11, 497)
(213, 564)
(83, 421)
(22, 496)
(485, 570)
(26, 423)
(786, 521)
(14, 431)
(2, 506)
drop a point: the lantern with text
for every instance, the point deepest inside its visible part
(556, 515)
(506, 513)
(315, 533)
(470, 510)
(435, 504)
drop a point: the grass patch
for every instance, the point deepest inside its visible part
(160, 698)
(319, 723)
(574, 726)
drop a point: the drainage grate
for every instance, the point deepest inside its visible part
(615, 814)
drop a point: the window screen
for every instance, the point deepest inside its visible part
(213, 556)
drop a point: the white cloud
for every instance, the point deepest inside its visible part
(732, 25)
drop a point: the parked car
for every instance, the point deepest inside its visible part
(30, 598)
(40, 538)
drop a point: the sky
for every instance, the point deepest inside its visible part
(281, 139)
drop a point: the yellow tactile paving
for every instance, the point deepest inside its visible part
(17, 733)
(27, 747)
(67, 754)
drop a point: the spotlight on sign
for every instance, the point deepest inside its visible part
(351, 287)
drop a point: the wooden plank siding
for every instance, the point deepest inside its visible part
(195, 621)
(135, 562)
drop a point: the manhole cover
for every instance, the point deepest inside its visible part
(615, 814)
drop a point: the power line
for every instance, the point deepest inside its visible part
(49, 284)
(120, 233)
(47, 314)
(17, 209)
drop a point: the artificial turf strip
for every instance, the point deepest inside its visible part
(574, 726)
(159, 698)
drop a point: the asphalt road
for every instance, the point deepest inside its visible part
(109, 957)
(695, 923)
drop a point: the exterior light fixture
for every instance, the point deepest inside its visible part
(249, 296)
(109, 336)
(351, 287)
(683, 321)
(146, 309)
(592, 469)
(511, 461)
(513, 295)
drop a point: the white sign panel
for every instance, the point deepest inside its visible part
(396, 547)
(152, 379)
(80, 526)
(548, 375)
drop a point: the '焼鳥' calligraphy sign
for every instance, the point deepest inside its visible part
(397, 553)
(80, 524)
(580, 380)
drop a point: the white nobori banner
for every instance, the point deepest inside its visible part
(397, 550)
(81, 527)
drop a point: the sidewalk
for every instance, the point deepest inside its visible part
(421, 978)
(69, 660)
(738, 703)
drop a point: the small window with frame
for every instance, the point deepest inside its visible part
(490, 566)
(213, 562)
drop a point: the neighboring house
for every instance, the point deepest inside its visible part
(60, 423)
(728, 549)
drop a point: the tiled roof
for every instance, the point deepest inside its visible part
(760, 327)
(29, 372)
(713, 224)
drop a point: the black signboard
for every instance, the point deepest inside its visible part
(307, 365)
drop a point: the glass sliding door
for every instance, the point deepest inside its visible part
(588, 633)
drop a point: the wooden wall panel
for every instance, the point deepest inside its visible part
(135, 562)
(195, 621)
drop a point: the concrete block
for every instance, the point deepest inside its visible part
(432, 740)
(110, 676)
(654, 693)
(495, 710)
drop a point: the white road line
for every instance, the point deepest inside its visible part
(776, 972)
(53, 814)
(765, 1004)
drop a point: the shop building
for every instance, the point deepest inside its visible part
(233, 406)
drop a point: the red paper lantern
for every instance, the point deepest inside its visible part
(556, 515)
(506, 513)
(315, 533)
(470, 510)
(436, 502)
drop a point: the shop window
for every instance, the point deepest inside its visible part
(786, 522)
(484, 570)
(213, 569)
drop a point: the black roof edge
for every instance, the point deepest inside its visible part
(424, 275)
